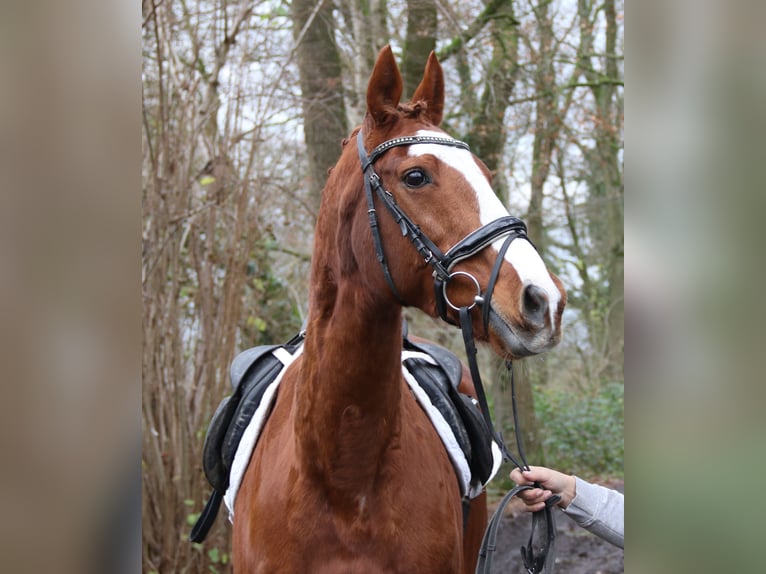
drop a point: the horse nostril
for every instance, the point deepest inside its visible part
(535, 304)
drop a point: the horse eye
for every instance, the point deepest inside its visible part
(415, 178)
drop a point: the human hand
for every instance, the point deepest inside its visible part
(551, 481)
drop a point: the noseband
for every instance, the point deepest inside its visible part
(543, 534)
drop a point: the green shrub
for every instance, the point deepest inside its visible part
(583, 433)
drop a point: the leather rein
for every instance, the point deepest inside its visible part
(541, 539)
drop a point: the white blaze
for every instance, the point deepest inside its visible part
(524, 258)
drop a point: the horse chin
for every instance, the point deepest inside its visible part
(512, 342)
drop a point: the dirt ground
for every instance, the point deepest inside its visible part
(577, 550)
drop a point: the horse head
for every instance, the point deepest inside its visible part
(423, 203)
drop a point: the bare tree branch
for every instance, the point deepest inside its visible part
(457, 43)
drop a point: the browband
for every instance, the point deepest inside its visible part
(411, 140)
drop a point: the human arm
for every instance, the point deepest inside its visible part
(598, 509)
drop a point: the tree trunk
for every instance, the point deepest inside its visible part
(366, 22)
(324, 111)
(606, 188)
(420, 41)
(487, 140)
(615, 204)
(488, 133)
(546, 121)
(528, 423)
(545, 134)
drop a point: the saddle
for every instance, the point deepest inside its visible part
(432, 372)
(439, 377)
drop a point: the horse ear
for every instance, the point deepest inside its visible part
(431, 90)
(385, 87)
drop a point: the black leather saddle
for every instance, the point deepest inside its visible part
(253, 370)
(251, 373)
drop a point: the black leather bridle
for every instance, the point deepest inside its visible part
(541, 540)
(442, 263)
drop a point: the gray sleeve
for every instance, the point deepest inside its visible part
(599, 510)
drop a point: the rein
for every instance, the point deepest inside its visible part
(541, 540)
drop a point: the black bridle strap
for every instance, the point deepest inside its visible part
(488, 543)
(428, 250)
(484, 236)
(430, 253)
(372, 215)
(540, 544)
(509, 226)
(516, 426)
(470, 351)
(534, 555)
(486, 305)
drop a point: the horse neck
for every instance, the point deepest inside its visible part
(348, 398)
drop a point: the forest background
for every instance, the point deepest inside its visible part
(244, 107)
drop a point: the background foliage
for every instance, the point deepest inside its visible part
(583, 431)
(244, 105)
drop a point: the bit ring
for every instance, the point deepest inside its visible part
(477, 299)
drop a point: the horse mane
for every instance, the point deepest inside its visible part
(413, 110)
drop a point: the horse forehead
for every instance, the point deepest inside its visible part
(461, 160)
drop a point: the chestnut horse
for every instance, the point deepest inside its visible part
(349, 475)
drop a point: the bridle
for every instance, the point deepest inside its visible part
(442, 263)
(541, 539)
